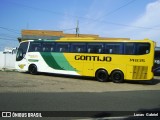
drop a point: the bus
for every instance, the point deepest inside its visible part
(156, 68)
(106, 60)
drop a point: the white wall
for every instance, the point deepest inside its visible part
(7, 60)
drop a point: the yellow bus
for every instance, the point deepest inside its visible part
(115, 60)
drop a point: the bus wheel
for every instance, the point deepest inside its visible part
(33, 69)
(102, 75)
(117, 76)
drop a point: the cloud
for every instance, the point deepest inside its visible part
(148, 23)
(92, 10)
(151, 17)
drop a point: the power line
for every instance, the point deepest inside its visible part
(10, 30)
(44, 10)
(132, 26)
(115, 10)
(7, 35)
(111, 12)
(91, 19)
(68, 29)
(3, 38)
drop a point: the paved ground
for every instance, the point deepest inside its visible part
(23, 82)
(48, 92)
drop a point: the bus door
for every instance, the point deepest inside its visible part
(156, 68)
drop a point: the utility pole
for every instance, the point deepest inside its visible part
(77, 29)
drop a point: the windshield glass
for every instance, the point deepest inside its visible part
(22, 51)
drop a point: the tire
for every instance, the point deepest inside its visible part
(33, 69)
(117, 76)
(102, 75)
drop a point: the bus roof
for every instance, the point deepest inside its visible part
(90, 39)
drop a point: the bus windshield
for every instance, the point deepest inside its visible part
(22, 51)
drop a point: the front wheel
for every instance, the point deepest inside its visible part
(33, 69)
(117, 76)
(102, 75)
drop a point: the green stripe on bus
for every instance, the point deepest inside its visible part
(57, 61)
(33, 60)
(49, 59)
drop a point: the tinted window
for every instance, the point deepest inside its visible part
(157, 54)
(35, 47)
(129, 48)
(48, 47)
(22, 51)
(62, 47)
(78, 47)
(95, 48)
(113, 48)
(143, 48)
(24, 47)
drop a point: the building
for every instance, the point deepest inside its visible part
(52, 35)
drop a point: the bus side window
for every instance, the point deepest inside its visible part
(48, 47)
(157, 54)
(52, 47)
(95, 48)
(143, 48)
(35, 47)
(62, 47)
(113, 48)
(78, 47)
(45, 49)
(129, 48)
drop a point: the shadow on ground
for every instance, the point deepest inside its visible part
(147, 82)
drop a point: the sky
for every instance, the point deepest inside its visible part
(134, 19)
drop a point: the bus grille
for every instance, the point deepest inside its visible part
(140, 72)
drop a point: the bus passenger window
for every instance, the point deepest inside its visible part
(95, 48)
(47, 47)
(129, 49)
(35, 47)
(62, 47)
(143, 48)
(113, 48)
(78, 47)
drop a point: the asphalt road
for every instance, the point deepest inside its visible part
(90, 104)
(108, 101)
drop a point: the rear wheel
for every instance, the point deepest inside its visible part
(33, 69)
(102, 75)
(117, 76)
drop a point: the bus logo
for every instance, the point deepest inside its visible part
(93, 58)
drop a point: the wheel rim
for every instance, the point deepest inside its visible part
(102, 75)
(117, 76)
(33, 70)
